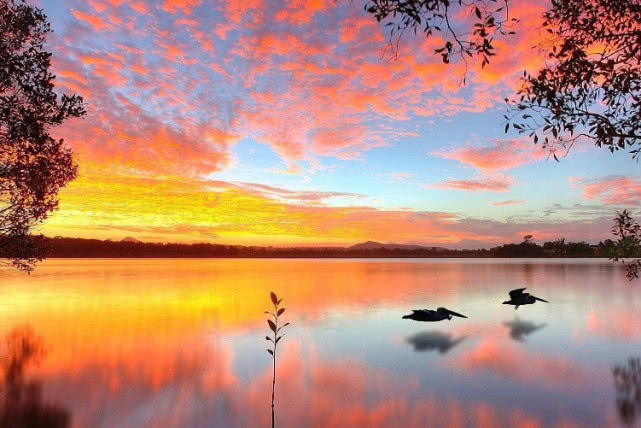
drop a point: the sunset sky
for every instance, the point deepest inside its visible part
(262, 122)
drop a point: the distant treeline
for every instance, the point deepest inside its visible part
(75, 247)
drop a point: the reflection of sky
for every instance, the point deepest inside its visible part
(183, 341)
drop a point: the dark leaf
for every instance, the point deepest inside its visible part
(280, 311)
(274, 298)
(272, 326)
(270, 351)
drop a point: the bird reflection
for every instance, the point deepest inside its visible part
(21, 402)
(627, 381)
(434, 341)
(519, 329)
(439, 314)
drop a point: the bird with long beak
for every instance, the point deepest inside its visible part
(518, 297)
(432, 315)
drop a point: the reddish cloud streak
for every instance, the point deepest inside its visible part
(499, 184)
(617, 190)
(489, 160)
(501, 203)
(96, 22)
(186, 6)
(502, 155)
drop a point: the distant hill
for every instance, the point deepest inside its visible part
(372, 245)
(130, 239)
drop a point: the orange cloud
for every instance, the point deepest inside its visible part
(235, 9)
(186, 6)
(301, 11)
(139, 6)
(98, 6)
(95, 21)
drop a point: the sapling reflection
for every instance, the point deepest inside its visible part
(277, 336)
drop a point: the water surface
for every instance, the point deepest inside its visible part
(180, 343)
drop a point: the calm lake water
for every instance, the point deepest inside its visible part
(180, 343)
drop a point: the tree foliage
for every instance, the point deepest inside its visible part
(33, 165)
(628, 244)
(590, 85)
(471, 38)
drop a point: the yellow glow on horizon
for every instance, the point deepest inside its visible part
(176, 209)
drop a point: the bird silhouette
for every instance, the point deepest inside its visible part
(520, 329)
(518, 297)
(434, 341)
(432, 315)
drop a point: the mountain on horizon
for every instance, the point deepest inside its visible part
(130, 239)
(373, 245)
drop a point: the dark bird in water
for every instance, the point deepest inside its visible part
(519, 329)
(518, 297)
(434, 341)
(431, 315)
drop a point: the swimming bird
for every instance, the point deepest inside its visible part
(518, 298)
(431, 315)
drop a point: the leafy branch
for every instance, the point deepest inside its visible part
(273, 324)
(489, 20)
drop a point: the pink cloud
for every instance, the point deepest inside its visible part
(139, 6)
(502, 155)
(619, 190)
(497, 184)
